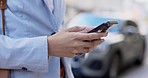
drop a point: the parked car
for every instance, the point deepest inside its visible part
(123, 45)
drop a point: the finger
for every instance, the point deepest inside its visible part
(87, 29)
(90, 28)
(71, 55)
(75, 29)
(83, 50)
(90, 36)
(83, 44)
(104, 34)
(97, 42)
(78, 54)
(75, 51)
(67, 54)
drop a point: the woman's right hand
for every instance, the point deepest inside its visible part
(71, 41)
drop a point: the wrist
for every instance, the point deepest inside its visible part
(49, 46)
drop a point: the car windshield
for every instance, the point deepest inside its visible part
(85, 19)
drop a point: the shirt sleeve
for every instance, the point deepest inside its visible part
(28, 53)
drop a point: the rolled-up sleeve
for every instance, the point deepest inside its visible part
(28, 53)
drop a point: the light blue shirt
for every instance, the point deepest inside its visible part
(24, 49)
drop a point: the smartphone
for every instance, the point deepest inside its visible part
(103, 27)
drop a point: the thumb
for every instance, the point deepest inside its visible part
(75, 29)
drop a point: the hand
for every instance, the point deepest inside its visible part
(71, 41)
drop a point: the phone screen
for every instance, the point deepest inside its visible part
(104, 26)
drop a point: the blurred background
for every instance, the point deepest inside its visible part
(132, 16)
(136, 10)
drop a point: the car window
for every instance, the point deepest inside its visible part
(116, 28)
(86, 19)
(129, 27)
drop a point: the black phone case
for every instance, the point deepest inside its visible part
(103, 27)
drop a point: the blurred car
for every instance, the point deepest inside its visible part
(123, 45)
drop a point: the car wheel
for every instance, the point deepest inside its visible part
(140, 59)
(114, 67)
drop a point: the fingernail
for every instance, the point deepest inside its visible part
(102, 40)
